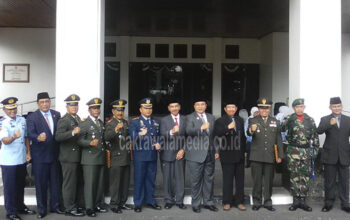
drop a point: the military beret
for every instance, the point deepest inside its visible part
(298, 102)
(10, 103)
(146, 103)
(335, 100)
(43, 95)
(119, 104)
(264, 103)
(72, 100)
(95, 102)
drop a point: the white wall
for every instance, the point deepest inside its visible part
(274, 70)
(346, 72)
(36, 47)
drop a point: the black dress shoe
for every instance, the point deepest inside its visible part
(27, 211)
(90, 213)
(293, 207)
(346, 209)
(211, 208)
(100, 209)
(181, 206)
(75, 213)
(154, 206)
(196, 209)
(256, 207)
(270, 208)
(137, 209)
(41, 215)
(126, 207)
(326, 208)
(168, 205)
(58, 211)
(13, 217)
(81, 209)
(306, 207)
(117, 210)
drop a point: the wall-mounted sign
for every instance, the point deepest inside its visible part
(16, 73)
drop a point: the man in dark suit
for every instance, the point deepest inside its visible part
(172, 128)
(44, 149)
(70, 156)
(93, 158)
(117, 131)
(200, 155)
(230, 128)
(336, 154)
(266, 133)
(144, 132)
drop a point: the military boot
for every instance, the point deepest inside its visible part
(303, 205)
(295, 204)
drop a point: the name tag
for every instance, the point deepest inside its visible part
(273, 125)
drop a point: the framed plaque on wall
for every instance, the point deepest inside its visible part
(16, 73)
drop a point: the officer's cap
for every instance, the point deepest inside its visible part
(95, 102)
(264, 103)
(10, 103)
(72, 100)
(119, 104)
(146, 103)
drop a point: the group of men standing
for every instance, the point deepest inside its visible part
(70, 156)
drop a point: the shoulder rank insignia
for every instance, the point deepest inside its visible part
(84, 119)
(137, 118)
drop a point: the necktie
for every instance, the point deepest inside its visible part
(176, 122)
(265, 120)
(47, 121)
(149, 121)
(97, 122)
(338, 121)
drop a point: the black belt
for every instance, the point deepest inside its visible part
(300, 146)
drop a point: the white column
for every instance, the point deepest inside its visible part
(124, 70)
(79, 51)
(217, 50)
(315, 53)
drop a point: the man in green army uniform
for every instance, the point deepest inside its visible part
(266, 133)
(303, 144)
(70, 156)
(93, 158)
(117, 131)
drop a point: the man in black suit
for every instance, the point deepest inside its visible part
(230, 128)
(42, 126)
(172, 128)
(336, 154)
(201, 155)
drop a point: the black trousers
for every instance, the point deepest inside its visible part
(330, 175)
(119, 179)
(72, 187)
(46, 177)
(262, 173)
(233, 172)
(13, 178)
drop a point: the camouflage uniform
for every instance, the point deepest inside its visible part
(301, 135)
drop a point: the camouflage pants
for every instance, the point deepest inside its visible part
(299, 165)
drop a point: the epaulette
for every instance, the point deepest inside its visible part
(137, 118)
(109, 120)
(84, 119)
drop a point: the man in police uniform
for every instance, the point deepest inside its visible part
(69, 156)
(303, 145)
(14, 153)
(266, 132)
(117, 131)
(93, 158)
(144, 132)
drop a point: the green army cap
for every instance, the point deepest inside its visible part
(72, 100)
(119, 104)
(94, 103)
(298, 102)
(264, 103)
